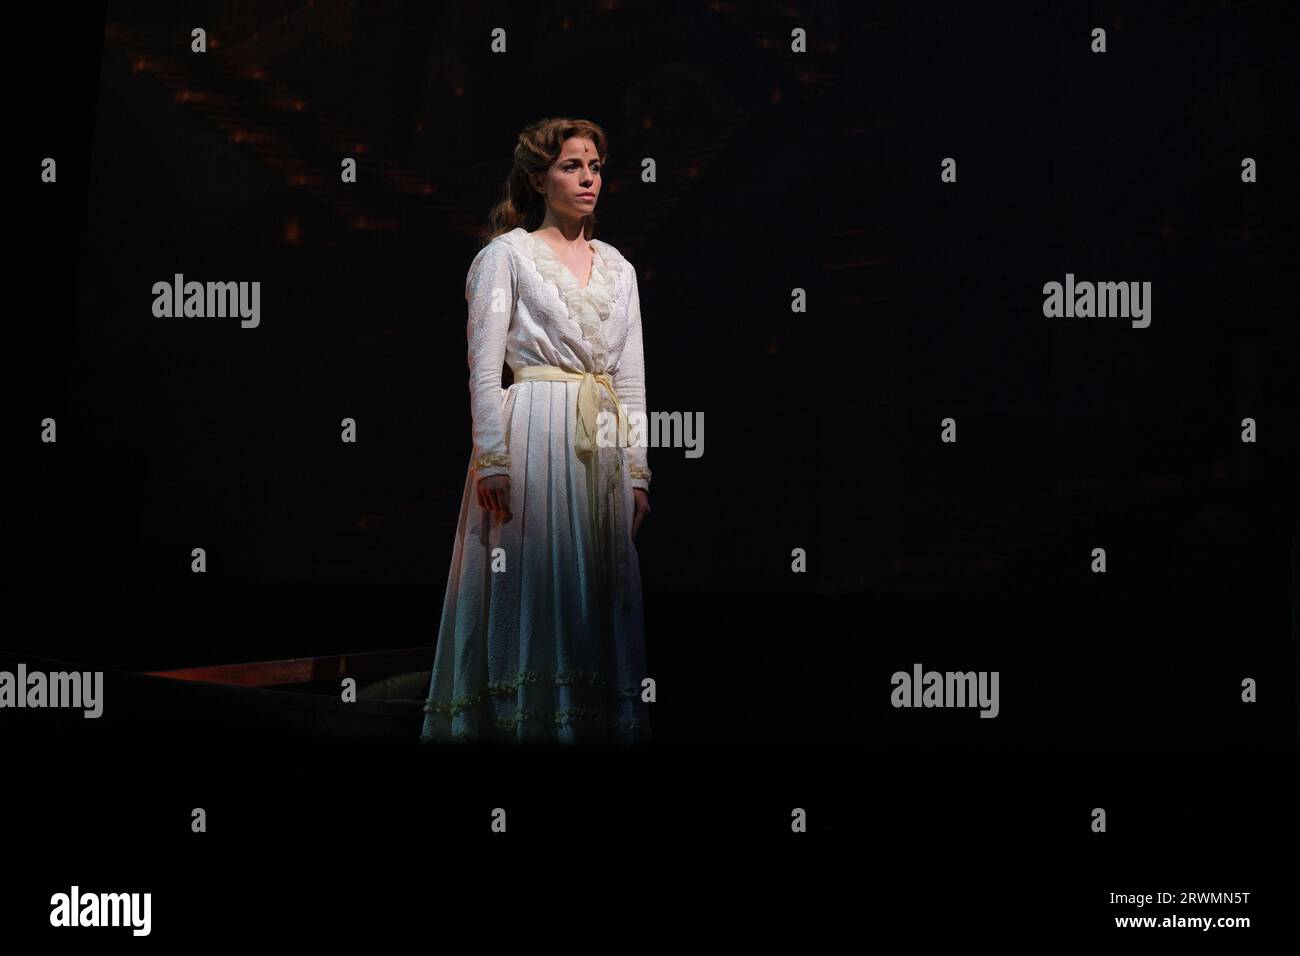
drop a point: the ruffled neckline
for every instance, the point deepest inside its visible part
(590, 305)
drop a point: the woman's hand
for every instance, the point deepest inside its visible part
(494, 496)
(642, 501)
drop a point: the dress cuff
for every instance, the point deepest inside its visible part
(640, 476)
(493, 463)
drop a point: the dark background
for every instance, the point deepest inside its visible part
(776, 171)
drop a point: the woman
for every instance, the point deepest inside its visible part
(542, 636)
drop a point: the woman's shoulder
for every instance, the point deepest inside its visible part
(498, 251)
(514, 239)
(611, 253)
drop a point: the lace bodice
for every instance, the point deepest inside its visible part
(527, 308)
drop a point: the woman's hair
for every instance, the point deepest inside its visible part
(538, 148)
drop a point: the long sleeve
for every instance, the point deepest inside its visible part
(629, 382)
(490, 292)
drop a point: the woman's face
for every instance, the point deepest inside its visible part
(573, 181)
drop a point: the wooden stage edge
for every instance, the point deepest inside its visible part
(307, 670)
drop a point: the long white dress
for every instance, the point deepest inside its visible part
(542, 633)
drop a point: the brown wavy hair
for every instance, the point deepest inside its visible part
(536, 151)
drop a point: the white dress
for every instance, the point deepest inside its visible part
(542, 635)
